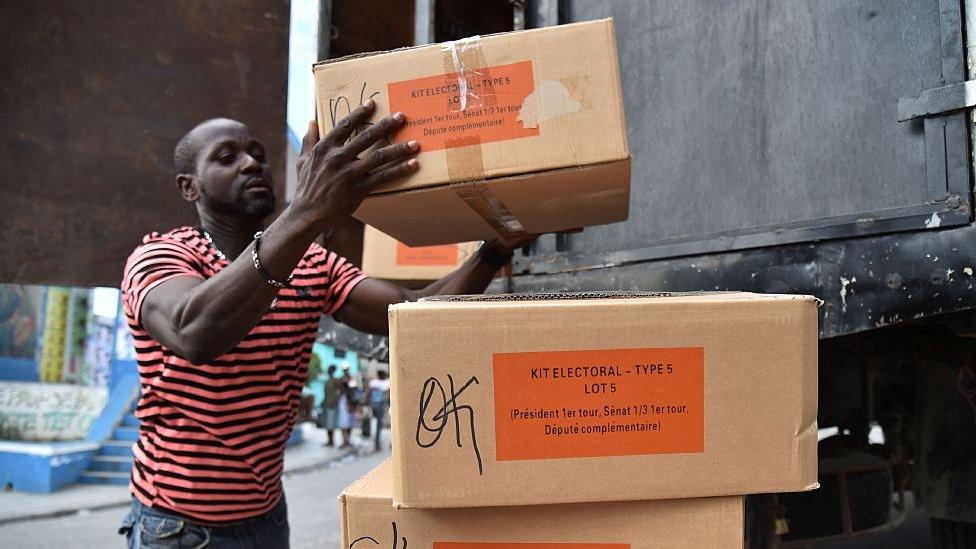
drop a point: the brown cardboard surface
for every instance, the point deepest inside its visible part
(385, 258)
(578, 60)
(368, 515)
(745, 373)
(555, 104)
(552, 201)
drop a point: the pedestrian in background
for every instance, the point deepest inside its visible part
(346, 406)
(379, 402)
(330, 405)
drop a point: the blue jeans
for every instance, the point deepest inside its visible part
(148, 528)
(379, 412)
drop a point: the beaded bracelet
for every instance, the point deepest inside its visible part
(257, 265)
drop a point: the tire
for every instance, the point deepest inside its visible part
(870, 499)
(952, 534)
(759, 526)
(818, 513)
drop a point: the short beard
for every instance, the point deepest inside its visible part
(255, 208)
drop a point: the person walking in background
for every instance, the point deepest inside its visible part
(379, 402)
(330, 405)
(346, 406)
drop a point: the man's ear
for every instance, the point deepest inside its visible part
(187, 184)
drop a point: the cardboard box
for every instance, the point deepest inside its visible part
(562, 398)
(370, 520)
(387, 258)
(519, 132)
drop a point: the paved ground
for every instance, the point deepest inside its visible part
(314, 517)
(19, 506)
(318, 475)
(312, 512)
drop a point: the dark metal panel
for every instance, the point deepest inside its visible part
(463, 18)
(369, 25)
(95, 96)
(557, 258)
(866, 283)
(757, 123)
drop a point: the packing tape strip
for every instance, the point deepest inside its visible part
(483, 201)
(465, 63)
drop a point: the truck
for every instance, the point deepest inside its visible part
(820, 148)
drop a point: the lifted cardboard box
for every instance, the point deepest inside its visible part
(520, 132)
(370, 520)
(563, 398)
(387, 258)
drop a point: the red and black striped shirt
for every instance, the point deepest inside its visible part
(212, 436)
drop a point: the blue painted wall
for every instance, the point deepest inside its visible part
(121, 395)
(42, 474)
(328, 356)
(18, 369)
(119, 369)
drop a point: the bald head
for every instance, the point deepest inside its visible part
(222, 168)
(189, 146)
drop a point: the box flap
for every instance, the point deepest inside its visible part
(376, 484)
(541, 202)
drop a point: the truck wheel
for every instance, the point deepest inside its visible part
(759, 526)
(870, 494)
(818, 513)
(952, 534)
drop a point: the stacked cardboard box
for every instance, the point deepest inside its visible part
(387, 258)
(369, 519)
(577, 417)
(519, 132)
(562, 421)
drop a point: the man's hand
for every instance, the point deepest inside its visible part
(332, 179)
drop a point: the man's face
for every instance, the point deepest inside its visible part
(233, 174)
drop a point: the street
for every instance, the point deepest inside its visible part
(313, 514)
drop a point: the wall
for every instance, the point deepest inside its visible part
(330, 356)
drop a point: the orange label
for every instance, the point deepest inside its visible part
(427, 256)
(476, 545)
(615, 402)
(480, 106)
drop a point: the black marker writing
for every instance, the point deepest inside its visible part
(336, 103)
(433, 425)
(396, 539)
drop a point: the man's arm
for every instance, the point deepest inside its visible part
(366, 307)
(202, 319)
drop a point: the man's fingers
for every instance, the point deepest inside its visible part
(366, 138)
(345, 127)
(310, 139)
(387, 155)
(386, 175)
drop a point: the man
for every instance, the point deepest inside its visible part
(379, 402)
(330, 405)
(224, 316)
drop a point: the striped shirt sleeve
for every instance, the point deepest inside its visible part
(156, 261)
(343, 278)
